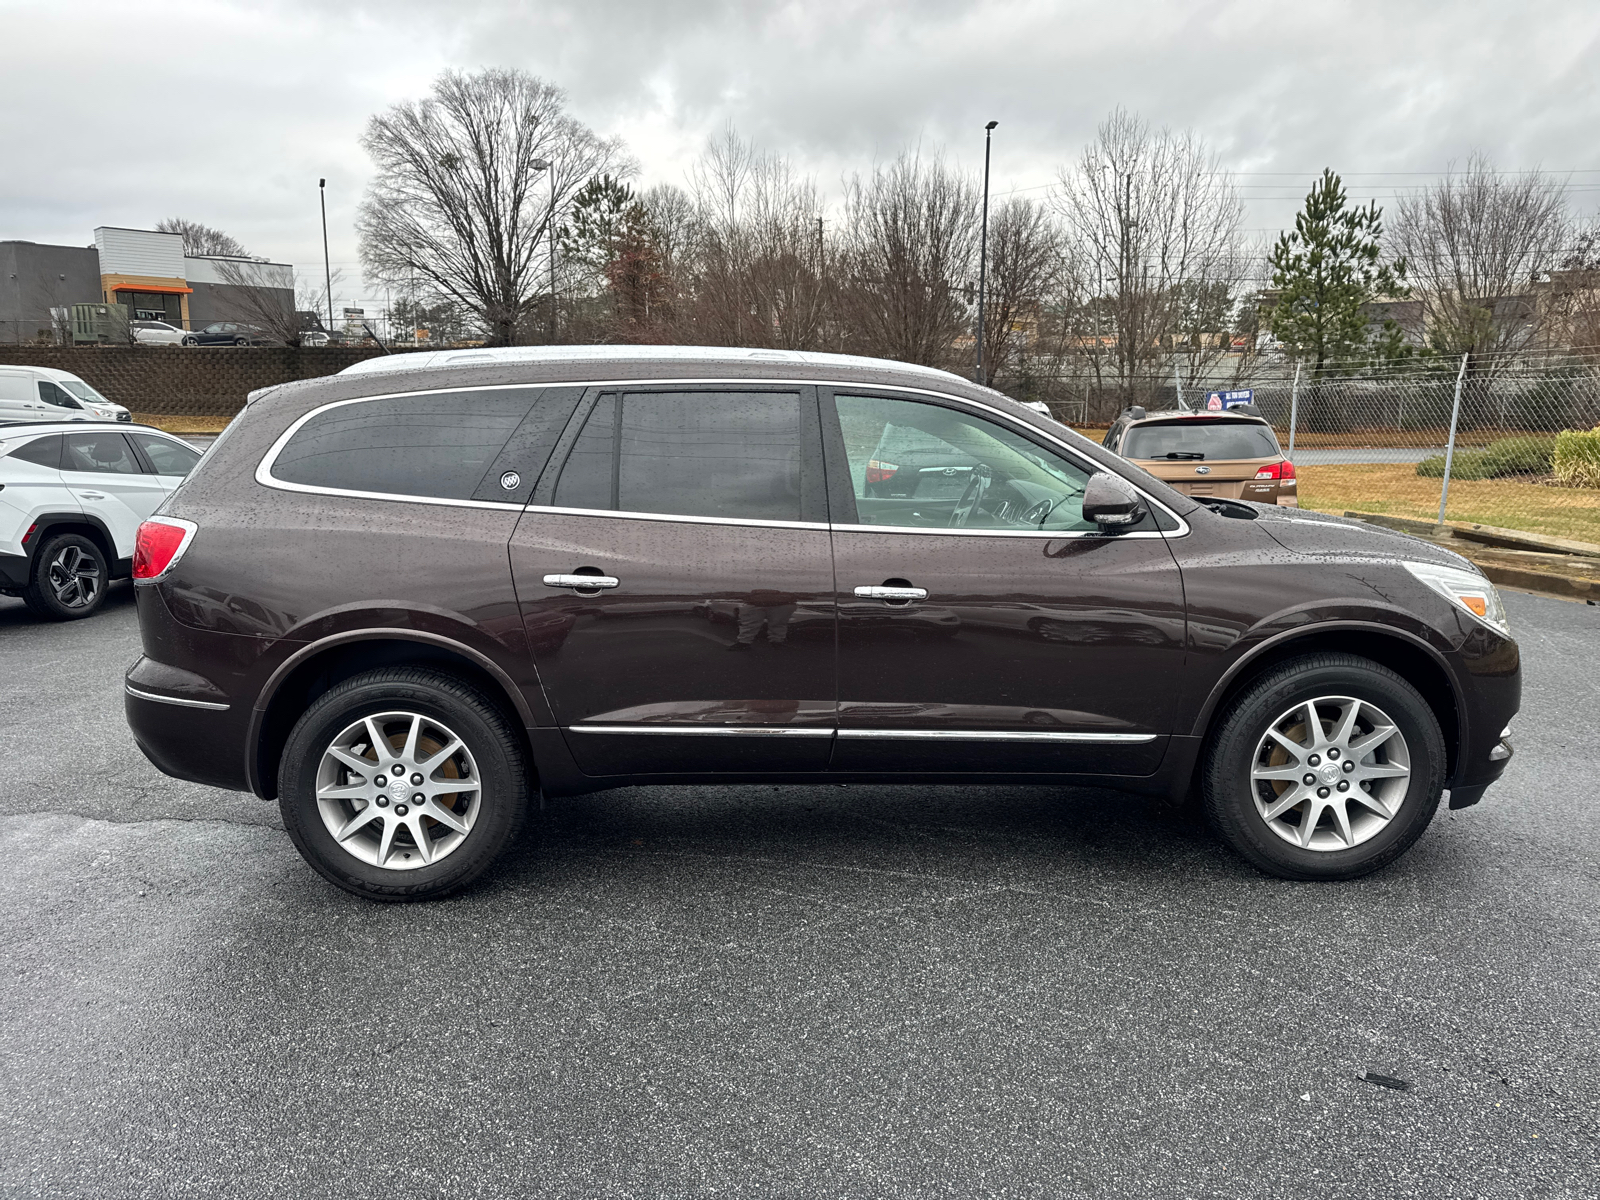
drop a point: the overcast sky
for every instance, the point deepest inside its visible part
(228, 112)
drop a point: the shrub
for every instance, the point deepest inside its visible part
(1527, 455)
(1576, 462)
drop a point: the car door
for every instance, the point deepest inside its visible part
(19, 399)
(992, 629)
(106, 475)
(705, 642)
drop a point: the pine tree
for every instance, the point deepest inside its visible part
(1326, 271)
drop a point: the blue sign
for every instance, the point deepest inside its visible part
(1217, 401)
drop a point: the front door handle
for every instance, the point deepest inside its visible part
(92, 495)
(582, 583)
(892, 593)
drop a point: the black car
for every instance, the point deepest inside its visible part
(229, 333)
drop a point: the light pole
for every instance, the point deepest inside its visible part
(543, 164)
(983, 245)
(327, 267)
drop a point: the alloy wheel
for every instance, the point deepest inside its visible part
(398, 790)
(74, 577)
(1330, 773)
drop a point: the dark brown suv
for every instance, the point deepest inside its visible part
(402, 600)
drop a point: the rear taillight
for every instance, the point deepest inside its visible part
(880, 472)
(1278, 470)
(159, 544)
(1288, 470)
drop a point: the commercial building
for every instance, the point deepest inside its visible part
(142, 269)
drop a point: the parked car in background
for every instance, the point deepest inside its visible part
(46, 394)
(313, 337)
(229, 333)
(404, 599)
(1231, 455)
(156, 333)
(71, 500)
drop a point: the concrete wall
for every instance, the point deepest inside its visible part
(198, 381)
(34, 278)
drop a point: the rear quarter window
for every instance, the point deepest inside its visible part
(436, 445)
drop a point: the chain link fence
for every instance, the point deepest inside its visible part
(1507, 441)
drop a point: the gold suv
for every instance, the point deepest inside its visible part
(1230, 455)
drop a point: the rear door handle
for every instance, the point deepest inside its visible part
(92, 495)
(582, 582)
(892, 593)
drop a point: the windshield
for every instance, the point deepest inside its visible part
(83, 391)
(1192, 439)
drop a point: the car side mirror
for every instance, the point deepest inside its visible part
(1111, 501)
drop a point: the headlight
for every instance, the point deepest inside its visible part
(1465, 589)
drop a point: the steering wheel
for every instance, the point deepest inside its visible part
(1039, 512)
(977, 485)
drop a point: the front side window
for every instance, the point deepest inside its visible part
(167, 457)
(101, 453)
(926, 466)
(436, 445)
(734, 455)
(51, 394)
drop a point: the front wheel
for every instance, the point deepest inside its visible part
(402, 784)
(1328, 767)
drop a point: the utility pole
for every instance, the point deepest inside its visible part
(327, 267)
(983, 245)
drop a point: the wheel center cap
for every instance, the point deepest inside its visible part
(1331, 773)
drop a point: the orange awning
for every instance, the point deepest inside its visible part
(155, 288)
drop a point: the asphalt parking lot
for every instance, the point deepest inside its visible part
(789, 992)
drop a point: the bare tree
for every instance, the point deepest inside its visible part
(1025, 270)
(458, 200)
(910, 248)
(201, 239)
(1158, 224)
(1476, 243)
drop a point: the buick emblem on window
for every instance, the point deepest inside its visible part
(1197, 471)
(510, 480)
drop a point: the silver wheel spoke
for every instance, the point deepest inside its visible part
(410, 751)
(1341, 820)
(1283, 804)
(345, 791)
(1382, 771)
(386, 842)
(1347, 721)
(380, 744)
(358, 822)
(445, 817)
(357, 764)
(1360, 748)
(1309, 819)
(434, 761)
(424, 846)
(1314, 738)
(1294, 748)
(1289, 772)
(1368, 800)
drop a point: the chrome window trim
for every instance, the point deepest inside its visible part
(963, 735)
(264, 476)
(764, 730)
(999, 735)
(205, 704)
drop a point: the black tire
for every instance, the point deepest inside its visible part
(484, 730)
(67, 554)
(241, 341)
(189, 341)
(1226, 785)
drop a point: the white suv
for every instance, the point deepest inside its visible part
(71, 500)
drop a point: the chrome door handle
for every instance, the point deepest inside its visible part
(582, 582)
(892, 593)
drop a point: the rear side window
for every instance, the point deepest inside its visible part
(734, 455)
(44, 452)
(101, 453)
(167, 457)
(437, 445)
(1200, 439)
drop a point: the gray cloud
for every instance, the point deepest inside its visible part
(229, 113)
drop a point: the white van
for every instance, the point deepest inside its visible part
(45, 394)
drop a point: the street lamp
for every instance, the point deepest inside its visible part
(543, 164)
(983, 245)
(327, 267)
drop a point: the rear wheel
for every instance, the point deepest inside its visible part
(1328, 767)
(402, 784)
(69, 578)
